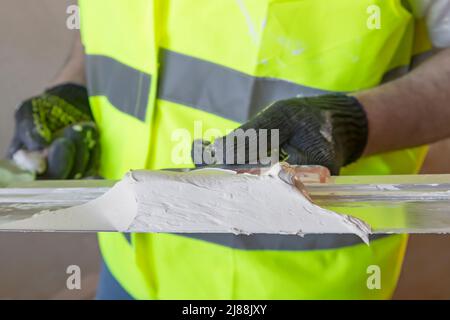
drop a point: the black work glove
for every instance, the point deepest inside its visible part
(57, 126)
(329, 130)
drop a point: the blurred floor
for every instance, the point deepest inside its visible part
(34, 43)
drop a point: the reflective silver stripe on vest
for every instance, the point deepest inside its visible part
(126, 88)
(199, 84)
(220, 90)
(282, 242)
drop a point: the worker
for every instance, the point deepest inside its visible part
(354, 86)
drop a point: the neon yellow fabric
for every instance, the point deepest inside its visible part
(169, 119)
(136, 282)
(109, 119)
(211, 271)
(278, 45)
(121, 41)
(327, 46)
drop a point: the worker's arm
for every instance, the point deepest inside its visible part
(57, 127)
(412, 110)
(73, 70)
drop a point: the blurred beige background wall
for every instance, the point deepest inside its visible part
(34, 43)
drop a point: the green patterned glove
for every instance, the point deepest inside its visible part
(58, 125)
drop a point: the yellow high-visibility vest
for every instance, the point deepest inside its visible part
(157, 66)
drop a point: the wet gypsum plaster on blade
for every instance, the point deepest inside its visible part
(200, 201)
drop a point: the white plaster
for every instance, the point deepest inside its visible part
(208, 200)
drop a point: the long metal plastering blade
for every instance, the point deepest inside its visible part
(389, 204)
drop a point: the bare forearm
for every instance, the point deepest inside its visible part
(74, 68)
(411, 111)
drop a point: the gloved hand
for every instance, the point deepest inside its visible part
(329, 130)
(57, 126)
